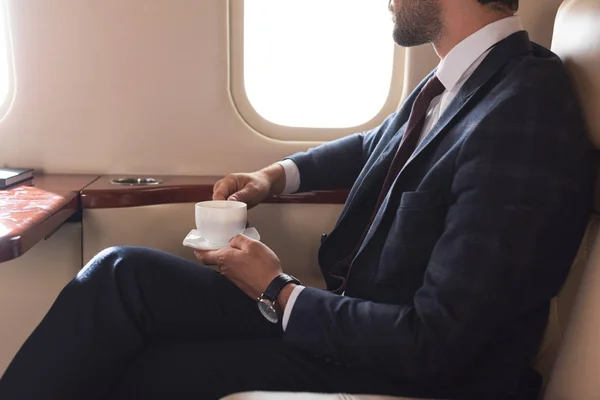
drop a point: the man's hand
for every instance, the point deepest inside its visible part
(249, 264)
(251, 188)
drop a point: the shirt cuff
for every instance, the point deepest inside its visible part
(292, 176)
(290, 305)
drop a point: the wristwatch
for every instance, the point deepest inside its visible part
(266, 301)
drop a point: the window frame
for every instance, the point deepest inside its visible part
(6, 104)
(247, 112)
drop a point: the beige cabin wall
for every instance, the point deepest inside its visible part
(29, 285)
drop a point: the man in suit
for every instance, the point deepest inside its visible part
(466, 209)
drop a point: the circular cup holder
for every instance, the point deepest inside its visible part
(136, 181)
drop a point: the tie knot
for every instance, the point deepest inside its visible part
(433, 88)
(430, 91)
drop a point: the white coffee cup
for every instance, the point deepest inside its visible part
(220, 220)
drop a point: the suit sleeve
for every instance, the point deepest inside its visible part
(337, 164)
(520, 201)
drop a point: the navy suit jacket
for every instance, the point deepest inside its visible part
(450, 290)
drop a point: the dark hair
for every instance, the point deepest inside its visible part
(512, 5)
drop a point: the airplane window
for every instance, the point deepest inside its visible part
(5, 59)
(319, 63)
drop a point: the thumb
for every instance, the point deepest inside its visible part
(240, 242)
(243, 195)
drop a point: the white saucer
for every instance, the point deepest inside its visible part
(195, 241)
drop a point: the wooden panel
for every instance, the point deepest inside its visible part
(31, 212)
(181, 189)
(29, 285)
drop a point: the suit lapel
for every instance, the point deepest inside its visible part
(503, 52)
(510, 47)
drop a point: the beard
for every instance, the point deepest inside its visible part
(417, 22)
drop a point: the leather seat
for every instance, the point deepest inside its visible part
(576, 371)
(569, 355)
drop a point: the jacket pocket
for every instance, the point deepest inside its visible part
(407, 245)
(419, 220)
(422, 199)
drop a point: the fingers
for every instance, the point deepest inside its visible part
(224, 188)
(243, 195)
(231, 188)
(218, 196)
(211, 257)
(242, 242)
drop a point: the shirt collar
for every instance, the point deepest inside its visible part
(464, 54)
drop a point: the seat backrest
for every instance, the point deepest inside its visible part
(563, 303)
(574, 326)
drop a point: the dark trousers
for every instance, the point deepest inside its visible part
(139, 323)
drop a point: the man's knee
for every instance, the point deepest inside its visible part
(119, 262)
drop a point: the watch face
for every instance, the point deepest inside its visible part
(268, 311)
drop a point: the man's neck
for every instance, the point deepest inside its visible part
(461, 23)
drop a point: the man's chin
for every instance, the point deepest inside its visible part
(408, 42)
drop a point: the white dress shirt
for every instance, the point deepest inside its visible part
(453, 71)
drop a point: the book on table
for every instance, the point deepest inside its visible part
(13, 176)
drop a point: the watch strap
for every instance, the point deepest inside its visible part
(277, 285)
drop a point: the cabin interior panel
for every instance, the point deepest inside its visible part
(29, 284)
(163, 227)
